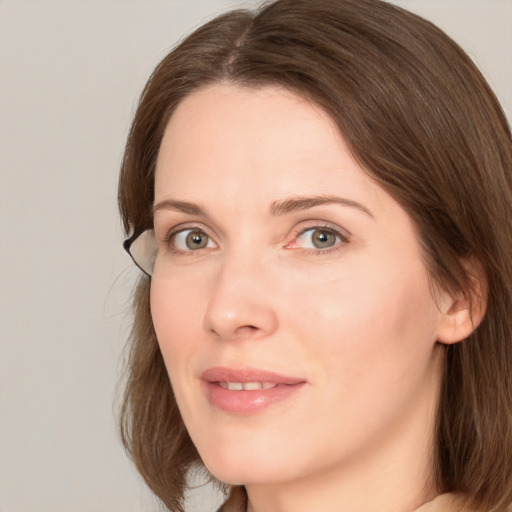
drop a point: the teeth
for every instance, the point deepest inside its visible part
(249, 386)
(246, 386)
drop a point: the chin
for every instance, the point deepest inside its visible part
(240, 467)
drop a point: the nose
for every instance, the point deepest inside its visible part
(240, 304)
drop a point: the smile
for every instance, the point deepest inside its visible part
(247, 391)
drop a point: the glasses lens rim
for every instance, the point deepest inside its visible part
(142, 248)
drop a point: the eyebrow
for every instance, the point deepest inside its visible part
(179, 206)
(279, 207)
(299, 203)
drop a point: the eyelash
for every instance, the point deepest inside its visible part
(171, 235)
(344, 239)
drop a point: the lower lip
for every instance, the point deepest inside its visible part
(249, 402)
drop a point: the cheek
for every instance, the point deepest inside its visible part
(373, 357)
(375, 298)
(372, 325)
(176, 317)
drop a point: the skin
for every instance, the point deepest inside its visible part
(357, 321)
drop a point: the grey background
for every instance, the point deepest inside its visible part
(70, 75)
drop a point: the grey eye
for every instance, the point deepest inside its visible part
(191, 240)
(318, 238)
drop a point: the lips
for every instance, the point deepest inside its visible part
(247, 391)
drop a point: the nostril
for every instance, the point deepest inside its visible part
(244, 331)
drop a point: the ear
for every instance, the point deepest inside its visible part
(462, 312)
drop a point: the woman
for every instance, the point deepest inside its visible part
(319, 194)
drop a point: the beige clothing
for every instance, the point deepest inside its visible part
(444, 503)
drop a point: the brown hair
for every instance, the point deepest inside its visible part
(421, 120)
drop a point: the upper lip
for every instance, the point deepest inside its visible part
(224, 374)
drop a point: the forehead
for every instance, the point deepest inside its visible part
(265, 139)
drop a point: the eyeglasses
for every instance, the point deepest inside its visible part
(142, 248)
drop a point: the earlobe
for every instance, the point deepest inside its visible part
(462, 314)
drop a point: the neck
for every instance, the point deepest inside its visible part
(394, 473)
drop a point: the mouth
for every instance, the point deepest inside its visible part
(247, 391)
(246, 386)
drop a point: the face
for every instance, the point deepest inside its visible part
(289, 296)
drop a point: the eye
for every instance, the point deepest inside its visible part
(319, 238)
(190, 240)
